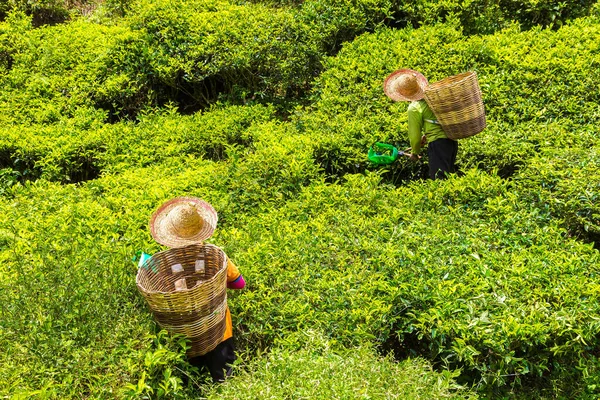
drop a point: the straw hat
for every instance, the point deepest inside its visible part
(405, 85)
(183, 221)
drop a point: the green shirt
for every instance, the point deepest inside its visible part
(419, 114)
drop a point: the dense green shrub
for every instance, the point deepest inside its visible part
(65, 295)
(476, 17)
(480, 17)
(52, 71)
(50, 12)
(512, 147)
(42, 11)
(496, 278)
(62, 153)
(63, 159)
(339, 21)
(318, 372)
(502, 294)
(156, 137)
(535, 86)
(565, 180)
(202, 49)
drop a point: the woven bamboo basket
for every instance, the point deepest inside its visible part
(185, 288)
(457, 104)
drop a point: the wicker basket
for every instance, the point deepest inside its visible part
(457, 104)
(185, 288)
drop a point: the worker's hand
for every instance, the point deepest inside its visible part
(414, 157)
(423, 140)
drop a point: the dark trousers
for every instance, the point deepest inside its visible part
(218, 361)
(442, 157)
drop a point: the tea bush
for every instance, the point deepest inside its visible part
(187, 53)
(327, 374)
(565, 182)
(61, 153)
(480, 17)
(340, 21)
(51, 72)
(42, 11)
(501, 294)
(476, 17)
(197, 50)
(526, 100)
(166, 135)
(490, 276)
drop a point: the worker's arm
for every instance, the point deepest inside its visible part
(239, 283)
(235, 280)
(415, 126)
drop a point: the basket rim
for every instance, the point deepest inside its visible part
(450, 81)
(182, 291)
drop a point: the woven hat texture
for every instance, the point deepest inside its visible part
(405, 85)
(183, 221)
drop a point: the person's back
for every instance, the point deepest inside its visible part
(441, 151)
(421, 121)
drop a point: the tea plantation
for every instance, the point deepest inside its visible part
(363, 282)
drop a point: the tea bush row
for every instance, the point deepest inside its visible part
(318, 371)
(189, 53)
(461, 272)
(71, 312)
(350, 111)
(536, 88)
(51, 12)
(503, 292)
(345, 18)
(476, 17)
(71, 152)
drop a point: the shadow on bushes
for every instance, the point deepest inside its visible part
(49, 16)
(86, 170)
(79, 168)
(509, 170)
(336, 165)
(21, 169)
(588, 237)
(409, 346)
(400, 173)
(526, 386)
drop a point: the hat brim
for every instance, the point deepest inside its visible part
(161, 230)
(388, 85)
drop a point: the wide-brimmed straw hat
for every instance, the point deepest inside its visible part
(183, 221)
(405, 85)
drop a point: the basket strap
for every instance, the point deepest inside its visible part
(431, 121)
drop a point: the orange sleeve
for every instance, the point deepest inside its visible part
(232, 271)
